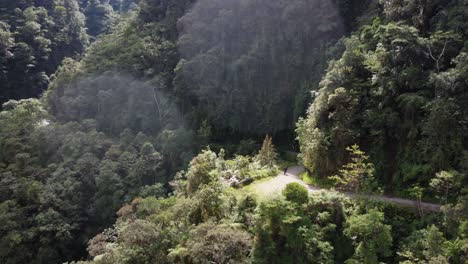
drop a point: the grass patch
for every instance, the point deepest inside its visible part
(314, 181)
(251, 189)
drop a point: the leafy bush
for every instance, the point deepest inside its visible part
(296, 193)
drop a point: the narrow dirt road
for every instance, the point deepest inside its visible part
(277, 184)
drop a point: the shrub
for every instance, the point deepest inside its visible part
(296, 193)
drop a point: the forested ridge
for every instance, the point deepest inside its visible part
(138, 131)
(36, 35)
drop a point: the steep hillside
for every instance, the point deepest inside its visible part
(399, 91)
(243, 69)
(36, 35)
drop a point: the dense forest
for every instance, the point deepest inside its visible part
(36, 35)
(183, 131)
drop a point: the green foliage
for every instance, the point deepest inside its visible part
(356, 176)
(267, 154)
(156, 190)
(424, 246)
(254, 76)
(247, 147)
(99, 15)
(324, 183)
(210, 225)
(69, 179)
(296, 193)
(209, 242)
(446, 181)
(371, 236)
(200, 169)
(35, 37)
(286, 234)
(397, 90)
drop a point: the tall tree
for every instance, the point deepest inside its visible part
(357, 175)
(371, 237)
(267, 154)
(99, 17)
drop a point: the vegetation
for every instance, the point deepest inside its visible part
(296, 193)
(313, 180)
(35, 36)
(267, 155)
(34, 40)
(130, 131)
(356, 176)
(294, 228)
(398, 91)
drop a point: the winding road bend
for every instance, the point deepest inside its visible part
(279, 182)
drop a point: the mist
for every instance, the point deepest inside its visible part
(119, 101)
(119, 104)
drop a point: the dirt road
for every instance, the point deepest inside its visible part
(277, 184)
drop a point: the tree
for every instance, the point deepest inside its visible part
(424, 246)
(417, 192)
(286, 233)
(128, 5)
(237, 77)
(204, 133)
(444, 182)
(215, 243)
(441, 130)
(6, 38)
(109, 192)
(330, 125)
(155, 190)
(200, 170)
(296, 193)
(148, 241)
(99, 17)
(247, 147)
(357, 175)
(148, 166)
(208, 203)
(267, 154)
(398, 80)
(371, 237)
(438, 45)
